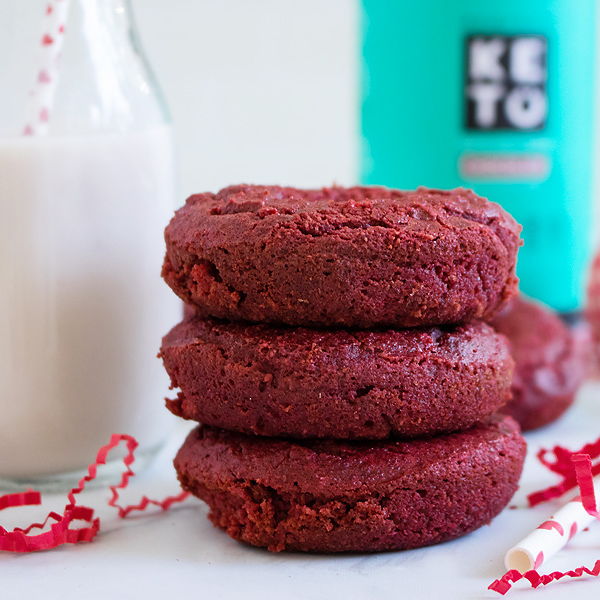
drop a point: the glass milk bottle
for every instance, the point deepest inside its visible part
(86, 188)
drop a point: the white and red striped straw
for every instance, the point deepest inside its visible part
(552, 535)
(41, 96)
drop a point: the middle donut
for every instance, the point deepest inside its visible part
(305, 383)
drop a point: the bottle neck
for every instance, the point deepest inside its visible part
(108, 70)
(94, 77)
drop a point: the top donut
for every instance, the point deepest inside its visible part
(358, 257)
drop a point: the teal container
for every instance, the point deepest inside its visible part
(498, 97)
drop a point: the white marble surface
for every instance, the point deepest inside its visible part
(180, 555)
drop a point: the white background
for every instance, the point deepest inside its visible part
(261, 91)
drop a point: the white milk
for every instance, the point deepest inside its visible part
(82, 304)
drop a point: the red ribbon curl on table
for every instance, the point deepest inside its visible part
(505, 583)
(61, 532)
(563, 465)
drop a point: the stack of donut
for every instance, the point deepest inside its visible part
(336, 350)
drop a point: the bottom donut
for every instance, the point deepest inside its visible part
(332, 496)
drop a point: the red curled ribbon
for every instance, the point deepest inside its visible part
(576, 470)
(563, 465)
(505, 583)
(61, 532)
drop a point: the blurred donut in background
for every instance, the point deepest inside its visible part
(551, 359)
(593, 313)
